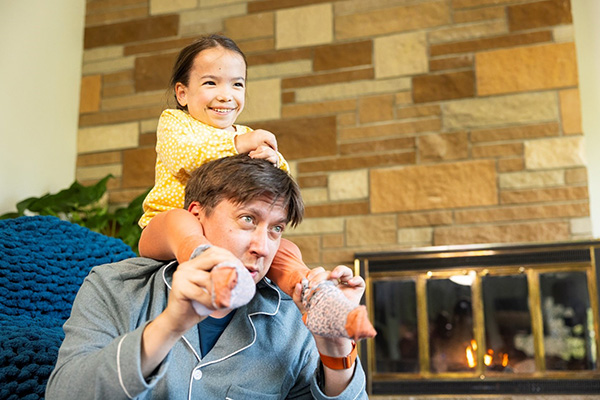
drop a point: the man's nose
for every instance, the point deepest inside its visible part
(259, 244)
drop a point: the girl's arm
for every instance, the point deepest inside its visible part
(172, 234)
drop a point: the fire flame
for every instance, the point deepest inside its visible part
(488, 358)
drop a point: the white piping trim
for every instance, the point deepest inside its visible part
(119, 368)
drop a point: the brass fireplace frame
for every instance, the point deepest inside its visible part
(422, 264)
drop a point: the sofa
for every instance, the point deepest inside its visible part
(43, 261)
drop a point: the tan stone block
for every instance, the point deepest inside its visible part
(220, 12)
(108, 66)
(507, 233)
(561, 194)
(497, 150)
(115, 91)
(371, 230)
(328, 78)
(452, 85)
(109, 17)
(376, 108)
(110, 137)
(213, 3)
(89, 98)
(466, 32)
(516, 132)
(458, 4)
(418, 111)
(171, 6)
(103, 54)
(516, 213)
(316, 195)
(147, 139)
(312, 181)
(250, 26)
(338, 91)
(138, 168)
(353, 162)
(131, 31)
(304, 26)
(257, 45)
(310, 226)
(333, 258)
(377, 146)
(345, 55)
(539, 14)
(391, 129)
(263, 101)
(110, 157)
(452, 146)
(555, 153)
(511, 164)
(503, 110)
(149, 125)
(403, 98)
(479, 14)
(570, 111)
(348, 185)
(304, 137)
(453, 62)
(529, 68)
(332, 241)
(117, 78)
(284, 69)
(337, 209)
(429, 218)
(163, 46)
(115, 117)
(415, 236)
(213, 25)
(97, 172)
(346, 120)
(310, 248)
(563, 34)
(153, 72)
(286, 98)
(581, 226)
(156, 98)
(320, 108)
(279, 56)
(410, 47)
(530, 180)
(390, 20)
(574, 176)
(486, 44)
(96, 7)
(462, 184)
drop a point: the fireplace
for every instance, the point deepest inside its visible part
(482, 319)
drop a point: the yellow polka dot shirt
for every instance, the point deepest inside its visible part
(183, 144)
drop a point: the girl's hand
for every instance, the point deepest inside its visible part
(266, 153)
(250, 141)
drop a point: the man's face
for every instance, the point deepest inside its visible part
(251, 231)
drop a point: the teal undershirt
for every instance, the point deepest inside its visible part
(210, 329)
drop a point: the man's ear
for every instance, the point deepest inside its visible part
(196, 209)
(181, 93)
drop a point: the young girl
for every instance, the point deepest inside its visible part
(209, 82)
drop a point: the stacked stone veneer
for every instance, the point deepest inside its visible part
(406, 122)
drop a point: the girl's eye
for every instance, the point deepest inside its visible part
(239, 84)
(211, 83)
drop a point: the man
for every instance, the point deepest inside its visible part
(134, 331)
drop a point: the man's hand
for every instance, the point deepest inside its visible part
(250, 141)
(191, 282)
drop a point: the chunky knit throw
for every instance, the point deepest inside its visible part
(43, 262)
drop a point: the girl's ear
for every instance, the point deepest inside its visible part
(181, 94)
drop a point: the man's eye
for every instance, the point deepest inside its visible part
(247, 218)
(278, 229)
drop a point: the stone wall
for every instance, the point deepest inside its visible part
(406, 122)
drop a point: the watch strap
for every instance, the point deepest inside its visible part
(340, 362)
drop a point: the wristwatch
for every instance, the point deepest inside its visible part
(340, 362)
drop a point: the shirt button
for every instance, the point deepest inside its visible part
(197, 374)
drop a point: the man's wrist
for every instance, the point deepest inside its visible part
(339, 363)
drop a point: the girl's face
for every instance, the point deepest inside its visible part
(216, 90)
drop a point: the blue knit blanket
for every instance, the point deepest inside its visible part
(43, 262)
